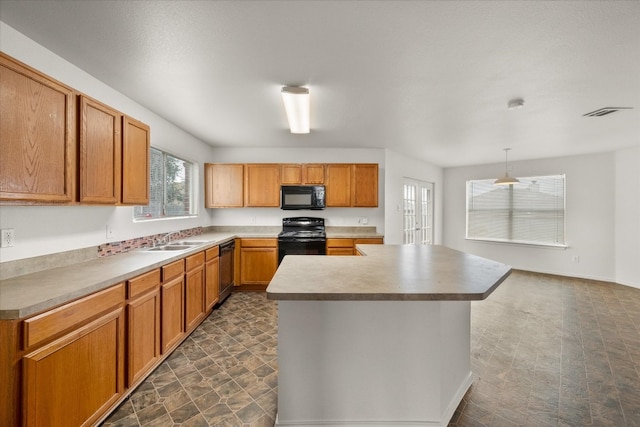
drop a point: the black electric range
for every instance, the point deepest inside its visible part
(302, 236)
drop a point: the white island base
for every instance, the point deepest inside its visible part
(372, 363)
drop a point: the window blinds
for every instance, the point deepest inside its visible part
(532, 211)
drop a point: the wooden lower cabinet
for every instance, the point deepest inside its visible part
(143, 325)
(212, 277)
(194, 290)
(76, 378)
(343, 246)
(172, 302)
(71, 365)
(258, 261)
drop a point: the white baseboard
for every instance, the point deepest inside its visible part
(444, 421)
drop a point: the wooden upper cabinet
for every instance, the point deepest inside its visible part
(352, 185)
(37, 136)
(364, 185)
(291, 174)
(40, 161)
(313, 174)
(224, 185)
(338, 185)
(302, 174)
(100, 152)
(262, 185)
(135, 162)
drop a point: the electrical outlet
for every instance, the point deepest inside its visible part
(7, 238)
(109, 231)
(576, 258)
(365, 220)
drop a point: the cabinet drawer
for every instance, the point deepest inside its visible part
(368, 241)
(259, 243)
(172, 270)
(194, 261)
(212, 253)
(339, 243)
(339, 251)
(51, 323)
(144, 283)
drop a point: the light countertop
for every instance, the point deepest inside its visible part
(388, 272)
(25, 295)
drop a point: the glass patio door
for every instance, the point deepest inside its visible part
(417, 212)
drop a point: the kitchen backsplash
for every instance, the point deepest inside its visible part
(113, 248)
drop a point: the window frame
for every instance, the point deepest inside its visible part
(531, 243)
(192, 188)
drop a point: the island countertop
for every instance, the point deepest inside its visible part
(388, 272)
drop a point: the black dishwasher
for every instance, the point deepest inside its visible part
(226, 269)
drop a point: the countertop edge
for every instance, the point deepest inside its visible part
(350, 296)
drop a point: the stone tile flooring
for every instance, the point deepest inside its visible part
(546, 351)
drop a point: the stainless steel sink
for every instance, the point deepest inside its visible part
(191, 242)
(170, 248)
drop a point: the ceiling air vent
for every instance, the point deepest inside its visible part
(606, 110)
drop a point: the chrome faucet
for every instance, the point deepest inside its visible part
(166, 239)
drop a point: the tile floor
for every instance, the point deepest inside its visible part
(546, 351)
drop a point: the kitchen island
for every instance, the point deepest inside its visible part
(381, 339)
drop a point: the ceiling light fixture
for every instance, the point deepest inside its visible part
(515, 104)
(296, 104)
(506, 179)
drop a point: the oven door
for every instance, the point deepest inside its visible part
(301, 247)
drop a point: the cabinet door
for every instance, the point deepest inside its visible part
(212, 282)
(365, 185)
(75, 379)
(291, 174)
(258, 265)
(338, 185)
(100, 152)
(143, 332)
(135, 162)
(224, 185)
(339, 251)
(313, 174)
(194, 290)
(37, 136)
(262, 185)
(172, 312)
(340, 246)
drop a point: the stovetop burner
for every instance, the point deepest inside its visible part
(296, 228)
(302, 236)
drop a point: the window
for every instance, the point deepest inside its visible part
(171, 191)
(531, 212)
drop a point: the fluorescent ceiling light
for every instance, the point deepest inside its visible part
(296, 104)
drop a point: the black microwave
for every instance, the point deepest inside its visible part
(296, 197)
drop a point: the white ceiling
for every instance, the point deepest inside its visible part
(429, 79)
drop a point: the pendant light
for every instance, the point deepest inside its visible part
(506, 179)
